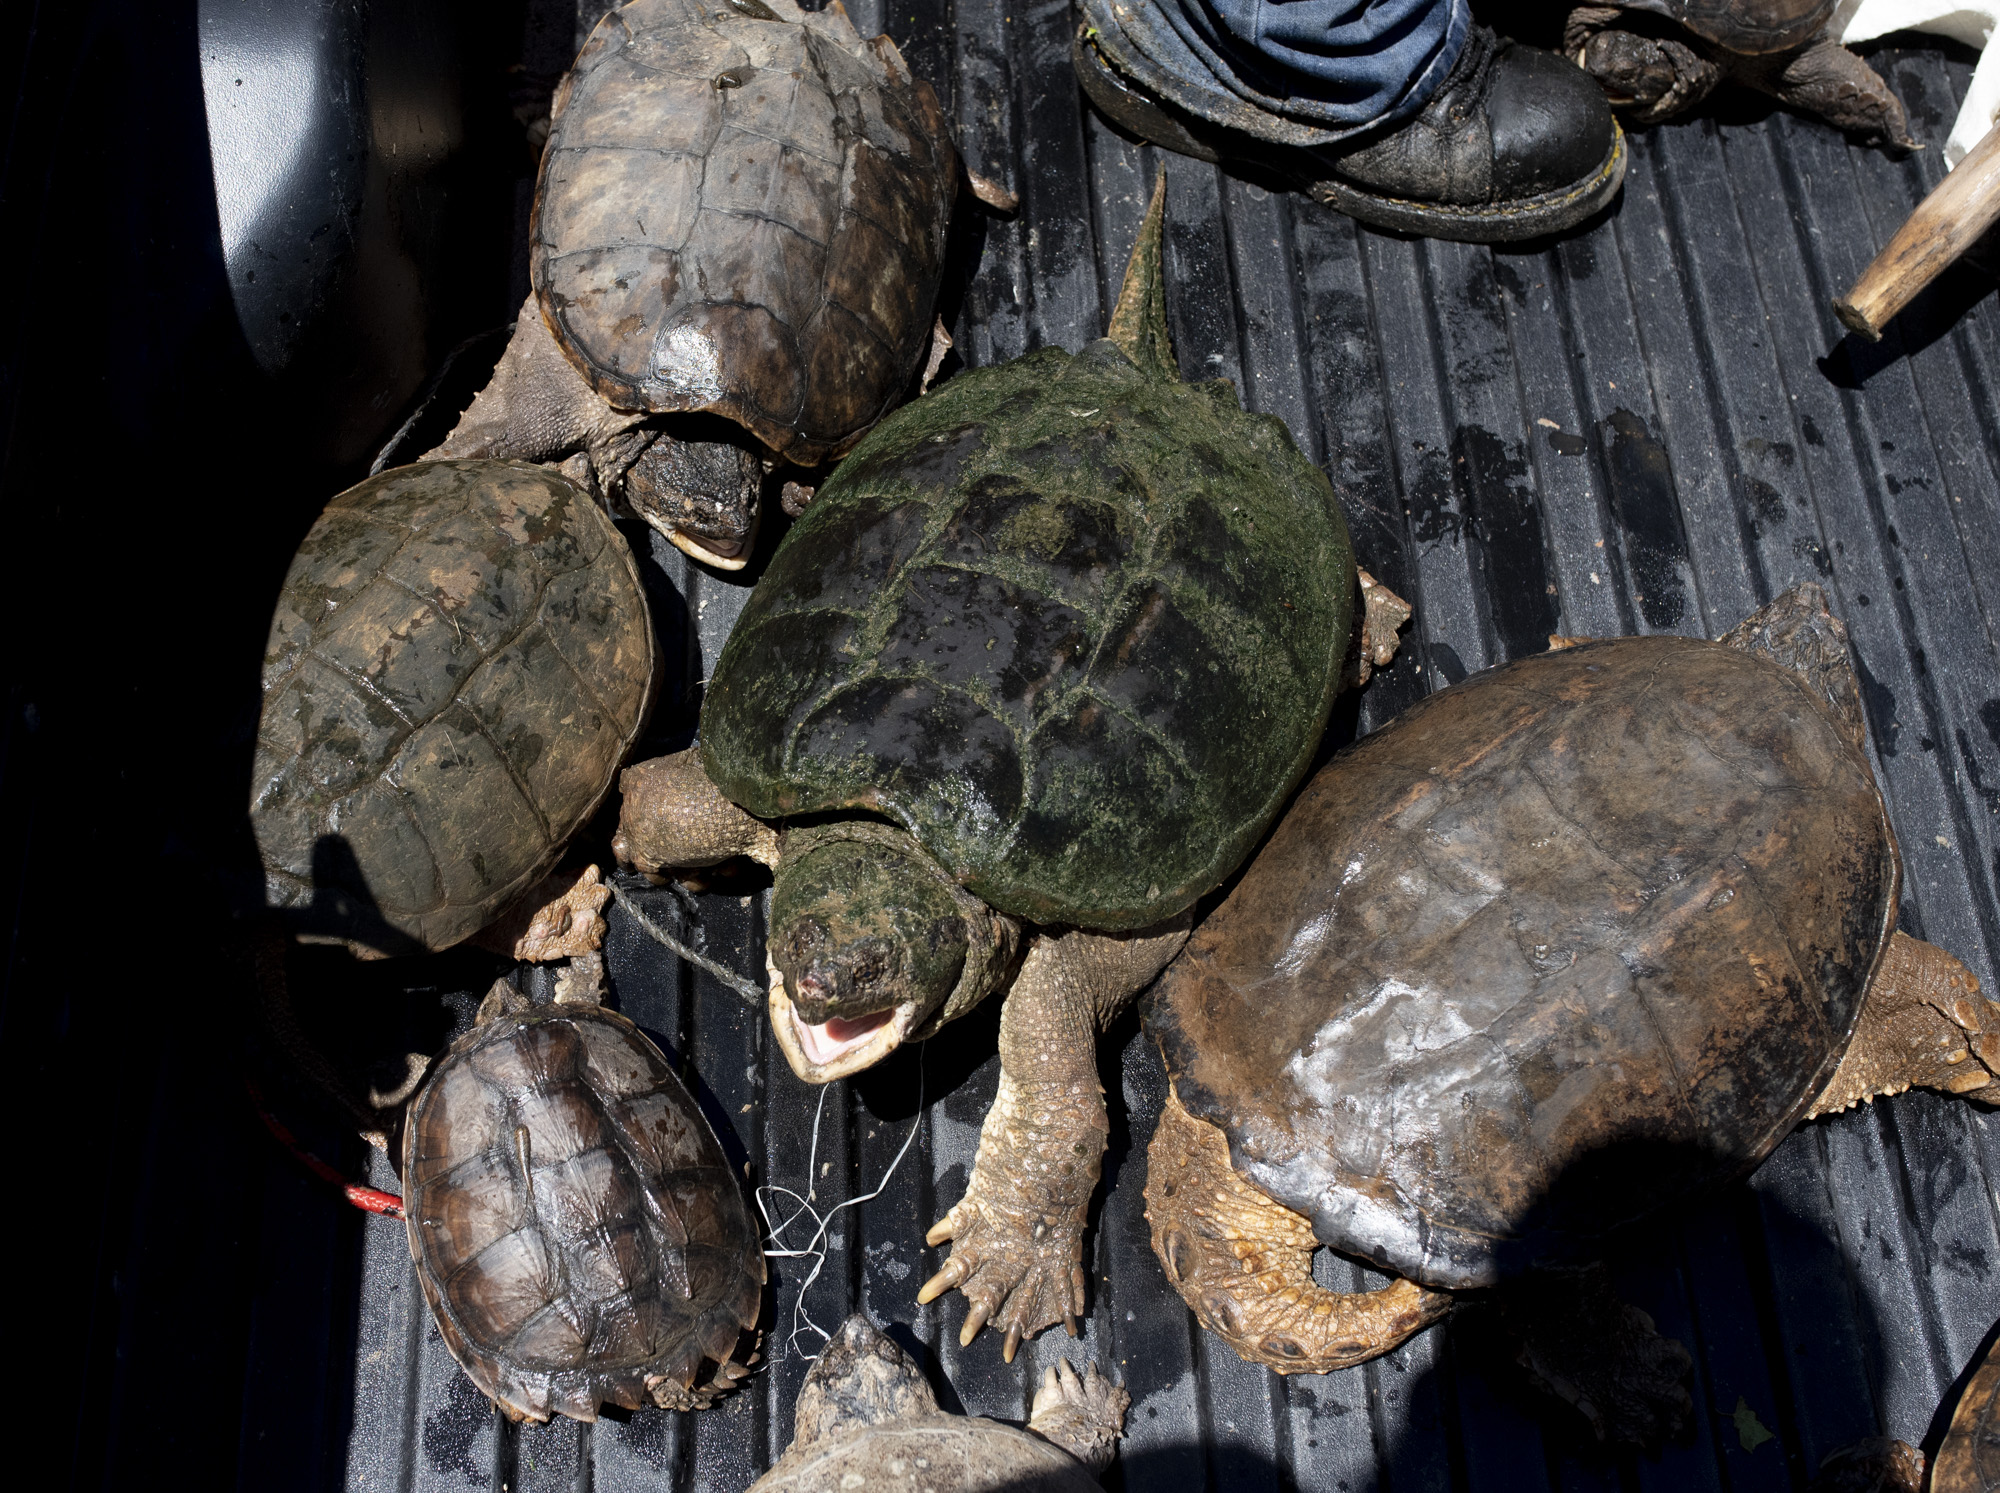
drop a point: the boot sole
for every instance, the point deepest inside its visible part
(1523, 218)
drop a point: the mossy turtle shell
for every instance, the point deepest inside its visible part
(742, 209)
(576, 1227)
(1077, 629)
(1563, 944)
(460, 659)
(1751, 27)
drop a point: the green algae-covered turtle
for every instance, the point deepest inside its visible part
(459, 661)
(1560, 947)
(867, 1419)
(1033, 673)
(738, 234)
(1659, 58)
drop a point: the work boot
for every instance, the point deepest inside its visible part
(1516, 143)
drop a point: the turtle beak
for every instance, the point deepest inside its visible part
(687, 544)
(834, 1048)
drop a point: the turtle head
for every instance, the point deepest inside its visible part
(869, 941)
(698, 484)
(861, 1378)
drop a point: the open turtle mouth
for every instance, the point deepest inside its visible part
(689, 545)
(834, 1048)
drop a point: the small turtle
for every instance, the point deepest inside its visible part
(459, 661)
(579, 1234)
(1659, 58)
(866, 1418)
(738, 235)
(1051, 648)
(1563, 944)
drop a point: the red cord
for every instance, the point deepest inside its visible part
(369, 1198)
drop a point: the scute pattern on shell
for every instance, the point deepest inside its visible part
(1566, 942)
(1751, 27)
(459, 660)
(1076, 629)
(577, 1229)
(745, 216)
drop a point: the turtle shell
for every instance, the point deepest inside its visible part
(458, 662)
(957, 1454)
(1076, 629)
(1563, 944)
(1750, 27)
(742, 209)
(579, 1234)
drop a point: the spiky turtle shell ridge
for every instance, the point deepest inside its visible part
(1076, 629)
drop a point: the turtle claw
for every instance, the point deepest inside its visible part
(1019, 1274)
(1011, 1344)
(944, 1280)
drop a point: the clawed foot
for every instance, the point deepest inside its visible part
(569, 925)
(1020, 1269)
(1083, 1414)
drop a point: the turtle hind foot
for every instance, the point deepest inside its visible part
(1831, 83)
(1579, 1342)
(1244, 1263)
(1084, 1414)
(1924, 1025)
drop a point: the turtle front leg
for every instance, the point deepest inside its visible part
(1647, 78)
(537, 407)
(671, 816)
(1924, 1025)
(1244, 1262)
(1017, 1234)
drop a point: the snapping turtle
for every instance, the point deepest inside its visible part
(1050, 649)
(578, 1232)
(738, 234)
(1659, 58)
(1563, 944)
(459, 661)
(866, 1418)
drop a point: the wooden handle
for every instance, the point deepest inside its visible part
(1944, 225)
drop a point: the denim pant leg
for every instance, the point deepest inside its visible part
(1340, 65)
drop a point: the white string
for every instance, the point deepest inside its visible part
(814, 1249)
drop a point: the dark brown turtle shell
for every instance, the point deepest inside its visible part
(1561, 945)
(1969, 1460)
(1751, 27)
(579, 1234)
(459, 660)
(742, 209)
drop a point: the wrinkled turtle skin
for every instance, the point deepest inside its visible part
(742, 209)
(459, 661)
(867, 1419)
(1490, 991)
(579, 1234)
(1073, 625)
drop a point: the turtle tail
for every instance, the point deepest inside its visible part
(1139, 321)
(1244, 1263)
